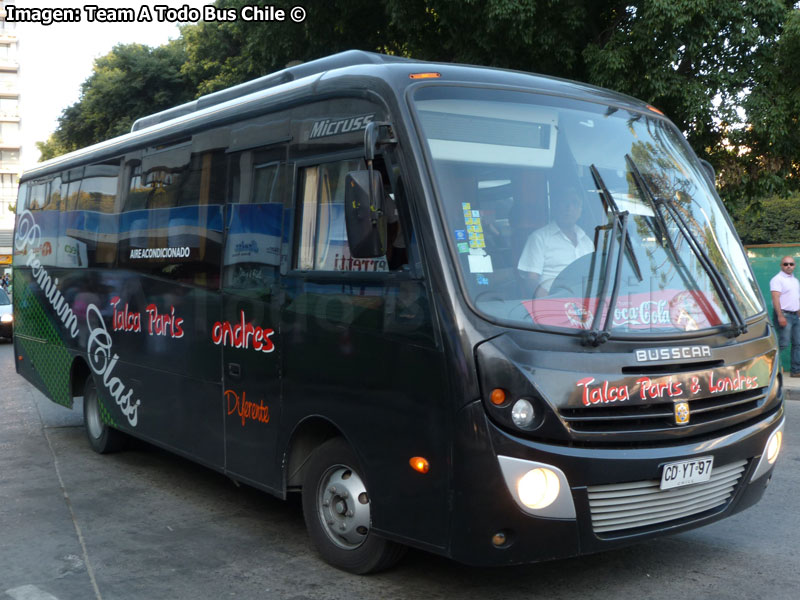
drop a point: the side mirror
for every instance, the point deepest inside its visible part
(364, 220)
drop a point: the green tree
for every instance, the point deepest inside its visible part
(700, 61)
(129, 82)
(224, 53)
(51, 148)
(693, 59)
(762, 158)
(777, 220)
(542, 36)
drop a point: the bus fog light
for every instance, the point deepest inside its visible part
(774, 447)
(770, 455)
(522, 413)
(538, 488)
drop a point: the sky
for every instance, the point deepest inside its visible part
(56, 59)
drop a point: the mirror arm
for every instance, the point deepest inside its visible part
(371, 141)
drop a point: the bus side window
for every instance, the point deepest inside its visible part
(37, 196)
(253, 243)
(322, 244)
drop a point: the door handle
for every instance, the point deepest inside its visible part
(234, 370)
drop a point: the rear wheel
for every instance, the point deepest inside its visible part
(337, 511)
(102, 438)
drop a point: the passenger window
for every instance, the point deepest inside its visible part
(255, 214)
(322, 244)
(171, 223)
(53, 201)
(98, 191)
(37, 196)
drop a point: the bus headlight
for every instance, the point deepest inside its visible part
(522, 413)
(538, 489)
(7, 318)
(771, 452)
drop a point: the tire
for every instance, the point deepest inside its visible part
(336, 508)
(102, 438)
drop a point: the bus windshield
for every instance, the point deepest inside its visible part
(570, 214)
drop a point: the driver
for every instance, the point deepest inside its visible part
(552, 247)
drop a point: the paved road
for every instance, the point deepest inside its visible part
(144, 524)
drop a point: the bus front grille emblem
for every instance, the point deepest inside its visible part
(681, 413)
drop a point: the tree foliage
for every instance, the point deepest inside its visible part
(776, 219)
(723, 71)
(129, 82)
(762, 157)
(221, 54)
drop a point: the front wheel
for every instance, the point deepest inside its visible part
(337, 511)
(102, 438)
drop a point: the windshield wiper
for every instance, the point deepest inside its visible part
(596, 336)
(738, 326)
(611, 205)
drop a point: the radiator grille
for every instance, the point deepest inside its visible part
(617, 507)
(639, 421)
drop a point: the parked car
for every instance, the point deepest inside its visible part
(6, 316)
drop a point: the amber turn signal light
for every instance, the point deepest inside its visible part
(424, 75)
(498, 396)
(419, 464)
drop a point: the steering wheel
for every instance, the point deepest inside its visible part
(571, 282)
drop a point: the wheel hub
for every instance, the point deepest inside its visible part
(344, 507)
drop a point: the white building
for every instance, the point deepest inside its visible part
(10, 138)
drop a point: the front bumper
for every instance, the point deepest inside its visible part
(484, 506)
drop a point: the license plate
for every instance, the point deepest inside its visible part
(686, 472)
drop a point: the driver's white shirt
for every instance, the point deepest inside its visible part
(548, 250)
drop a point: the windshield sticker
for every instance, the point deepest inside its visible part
(480, 264)
(482, 280)
(473, 231)
(668, 309)
(463, 247)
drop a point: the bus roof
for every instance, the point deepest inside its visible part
(259, 94)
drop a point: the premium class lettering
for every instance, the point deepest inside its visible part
(245, 409)
(242, 335)
(27, 235)
(102, 360)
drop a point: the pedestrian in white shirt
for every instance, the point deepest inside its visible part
(785, 291)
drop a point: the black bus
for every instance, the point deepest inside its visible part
(496, 316)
